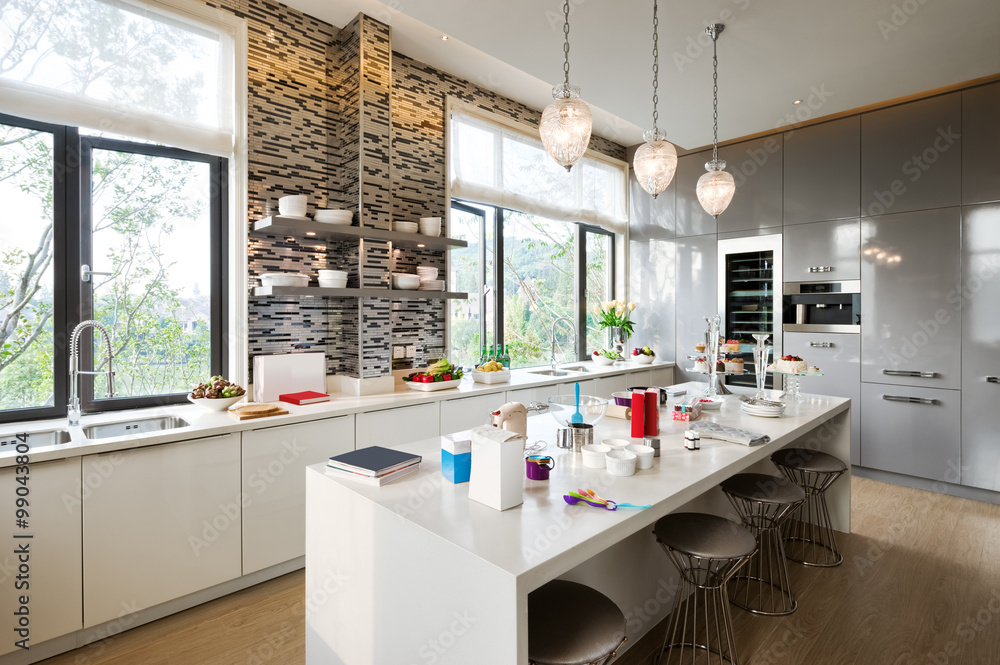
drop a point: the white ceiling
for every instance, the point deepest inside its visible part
(855, 52)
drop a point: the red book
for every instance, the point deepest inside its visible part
(651, 415)
(639, 400)
(304, 397)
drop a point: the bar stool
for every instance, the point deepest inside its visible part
(763, 502)
(706, 550)
(572, 624)
(808, 533)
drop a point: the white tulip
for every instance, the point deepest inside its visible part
(631, 307)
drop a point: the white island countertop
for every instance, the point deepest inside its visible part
(407, 529)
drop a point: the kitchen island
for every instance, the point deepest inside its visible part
(416, 572)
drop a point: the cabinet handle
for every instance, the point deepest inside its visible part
(910, 400)
(820, 268)
(993, 379)
(821, 345)
(911, 373)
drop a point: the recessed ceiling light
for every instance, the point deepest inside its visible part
(420, 245)
(444, 38)
(310, 233)
(797, 101)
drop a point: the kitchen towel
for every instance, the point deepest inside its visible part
(497, 478)
(710, 430)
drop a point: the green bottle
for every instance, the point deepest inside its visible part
(505, 358)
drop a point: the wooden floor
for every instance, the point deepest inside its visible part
(920, 585)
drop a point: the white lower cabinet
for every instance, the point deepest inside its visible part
(53, 578)
(528, 395)
(394, 427)
(661, 376)
(588, 387)
(274, 490)
(606, 385)
(469, 412)
(159, 523)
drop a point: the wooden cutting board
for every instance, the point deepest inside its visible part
(251, 411)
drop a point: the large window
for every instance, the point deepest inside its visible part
(129, 234)
(530, 281)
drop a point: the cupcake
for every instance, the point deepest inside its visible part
(736, 365)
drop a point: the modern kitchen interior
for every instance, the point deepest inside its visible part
(370, 332)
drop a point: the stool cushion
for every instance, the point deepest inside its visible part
(705, 536)
(804, 459)
(763, 488)
(572, 624)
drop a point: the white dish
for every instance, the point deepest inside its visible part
(431, 219)
(332, 274)
(642, 359)
(620, 444)
(620, 462)
(490, 377)
(218, 404)
(405, 227)
(284, 279)
(293, 206)
(431, 387)
(333, 283)
(601, 360)
(426, 273)
(335, 221)
(405, 282)
(431, 284)
(644, 455)
(711, 402)
(593, 455)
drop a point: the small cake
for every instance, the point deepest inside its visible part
(701, 364)
(735, 365)
(720, 366)
(791, 365)
(700, 348)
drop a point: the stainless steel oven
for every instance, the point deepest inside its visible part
(827, 307)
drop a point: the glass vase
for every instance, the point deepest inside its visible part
(619, 338)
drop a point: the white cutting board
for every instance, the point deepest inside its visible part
(285, 373)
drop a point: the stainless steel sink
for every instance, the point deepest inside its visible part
(52, 437)
(139, 426)
(577, 368)
(549, 372)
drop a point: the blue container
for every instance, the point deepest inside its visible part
(456, 459)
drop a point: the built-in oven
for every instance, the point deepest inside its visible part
(828, 307)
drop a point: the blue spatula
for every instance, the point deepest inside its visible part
(577, 417)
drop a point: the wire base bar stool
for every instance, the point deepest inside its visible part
(808, 534)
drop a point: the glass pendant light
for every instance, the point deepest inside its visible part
(715, 188)
(566, 122)
(655, 161)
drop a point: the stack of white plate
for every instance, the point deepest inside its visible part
(293, 206)
(333, 279)
(405, 282)
(339, 217)
(405, 227)
(762, 410)
(430, 226)
(427, 272)
(432, 285)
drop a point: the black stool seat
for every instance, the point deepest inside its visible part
(763, 488)
(572, 624)
(705, 536)
(812, 461)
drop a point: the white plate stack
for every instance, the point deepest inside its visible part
(404, 281)
(430, 226)
(293, 206)
(333, 279)
(428, 279)
(405, 227)
(337, 217)
(762, 410)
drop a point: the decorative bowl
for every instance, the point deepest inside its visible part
(602, 360)
(642, 359)
(622, 398)
(217, 404)
(562, 408)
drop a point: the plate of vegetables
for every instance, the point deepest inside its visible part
(439, 376)
(216, 394)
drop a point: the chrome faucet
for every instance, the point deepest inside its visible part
(73, 409)
(552, 361)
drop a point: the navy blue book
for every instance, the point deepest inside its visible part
(373, 461)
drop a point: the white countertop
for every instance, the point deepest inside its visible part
(545, 537)
(204, 423)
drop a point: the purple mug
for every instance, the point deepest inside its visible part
(538, 467)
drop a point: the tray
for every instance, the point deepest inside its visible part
(431, 387)
(253, 411)
(489, 377)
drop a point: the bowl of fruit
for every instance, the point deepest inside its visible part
(643, 356)
(216, 394)
(604, 357)
(439, 376)
(490, 372)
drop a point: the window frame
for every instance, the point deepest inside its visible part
(71, 248)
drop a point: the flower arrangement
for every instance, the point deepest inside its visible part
(616, 314)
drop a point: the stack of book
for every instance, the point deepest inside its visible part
(374, 465)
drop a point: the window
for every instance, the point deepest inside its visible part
(138, 246)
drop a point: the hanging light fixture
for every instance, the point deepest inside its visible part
(715, 188)
(655, 161)
(566, 122)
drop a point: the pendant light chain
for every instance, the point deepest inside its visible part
(566, 41)
(715, 97)
(656, 67)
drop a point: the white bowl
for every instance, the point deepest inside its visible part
(601, 360)
(593, 455)
(284, 279)
(642, 359)
(430, 230)
(426, 273)
(338, 217)
(644, 455)
(617, 444)
(217, 404)
(431, 219)
(333, 283)
(332, 274)
(620, 462)
(405, 282)
(405, 227)
(293, 206)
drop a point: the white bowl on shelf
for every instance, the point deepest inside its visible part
(284, 279)
(426, 273)
(332, 274)
(293, 206)
(340, 217)
(430, 228)
(431, 285)
(333, 283)
(405, 227)
(621, 462)
(405, 282)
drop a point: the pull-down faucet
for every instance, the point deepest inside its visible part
(552, 361)
(73, 409)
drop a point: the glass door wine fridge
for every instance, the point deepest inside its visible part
(750, 301)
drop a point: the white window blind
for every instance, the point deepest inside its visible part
(498, 165)
(142, 69)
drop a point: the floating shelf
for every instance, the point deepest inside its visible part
(321, 292)
(308, 229)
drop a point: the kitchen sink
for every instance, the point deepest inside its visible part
(550, 372)
(139, 426)
(53, 437)
(577, 368)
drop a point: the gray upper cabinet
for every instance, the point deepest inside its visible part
(981, 144)
(822, 172)
(981, 346)
(696, 297)
(911, 324)
(822, 251)
(651, 218)
(911, 156)
(756, 167)
(691, 218)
